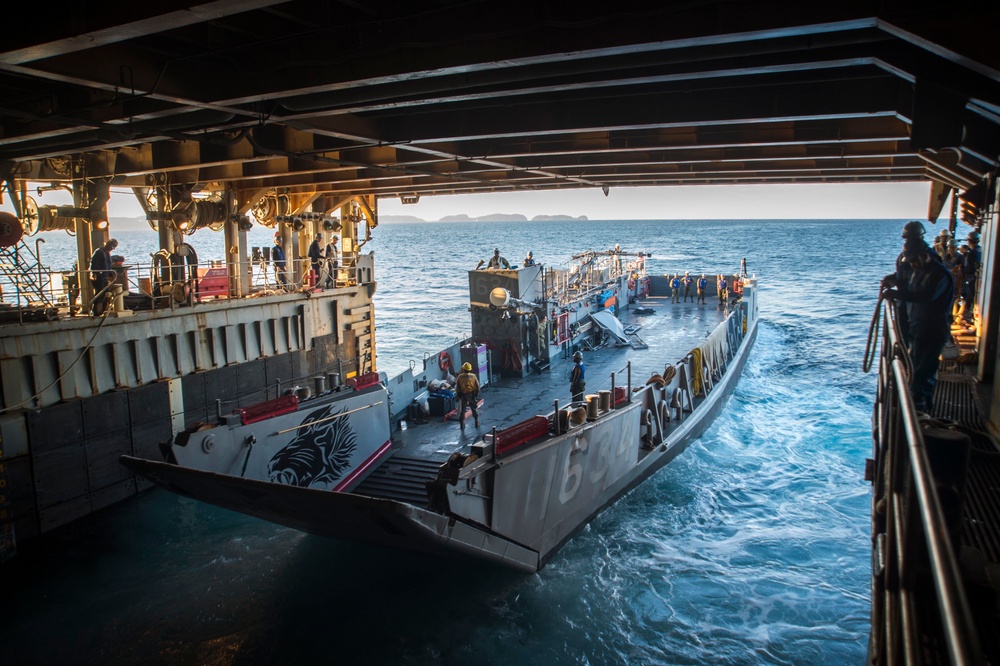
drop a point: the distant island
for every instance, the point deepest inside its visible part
(128, 223)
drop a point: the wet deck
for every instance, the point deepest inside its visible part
(671, 331)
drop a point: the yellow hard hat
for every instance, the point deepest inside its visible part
(466, 367)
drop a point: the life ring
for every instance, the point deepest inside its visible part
(444, 361)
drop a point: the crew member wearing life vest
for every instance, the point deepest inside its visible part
(723, 288)
(675, 289)
(928, 292)
(468, 394)
(702, 286)
(688, 287)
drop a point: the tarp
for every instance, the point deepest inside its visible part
(609, 322)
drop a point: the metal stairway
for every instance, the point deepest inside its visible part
(20, 267)
(401, 479)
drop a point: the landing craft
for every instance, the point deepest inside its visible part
(512, 494)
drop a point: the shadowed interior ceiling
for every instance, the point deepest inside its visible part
(415, 98)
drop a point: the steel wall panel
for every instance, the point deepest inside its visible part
(279, 368)
(14, 434)
(55, 426)
(193, 387)
(105, 497)
(184, 351)
(104, 413)
(103, 468)
(60, 474)
(72, 382)
(221, 384)
(146, 439)
(44, 371)
(145, 360)
(252, 378)
(12, 374)
(148, 403)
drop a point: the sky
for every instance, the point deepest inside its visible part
(796, 202)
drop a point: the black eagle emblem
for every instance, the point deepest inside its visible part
(319, 454)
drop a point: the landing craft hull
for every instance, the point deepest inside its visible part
(340, 515)
(327, 442)
(518, 511)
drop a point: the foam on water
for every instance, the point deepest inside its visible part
(752, 547)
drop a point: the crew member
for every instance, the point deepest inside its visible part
(675, 289)
(332, 263)
(688, 286)
(929, 293)
(102, 275)
(496, 261)
(970, 269)
(723, 288)
(912, 232)
(316, 255)
(941, 242)
(577, 377)
(468, 394)
(278, 255)
(529, 260)
(702, 286)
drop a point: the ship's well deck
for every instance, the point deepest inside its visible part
(672, 330)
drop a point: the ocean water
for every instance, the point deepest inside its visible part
(751, 548)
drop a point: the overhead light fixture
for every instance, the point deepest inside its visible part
(409, 198)
(605, 189)
(970, 203)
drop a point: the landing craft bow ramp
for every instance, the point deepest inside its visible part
(323, 101)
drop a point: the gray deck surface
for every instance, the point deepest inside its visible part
(671, 332)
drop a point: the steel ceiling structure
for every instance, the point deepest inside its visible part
(393, 98)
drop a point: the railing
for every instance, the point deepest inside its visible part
(194, 281)
(913, 552)
(594, 271)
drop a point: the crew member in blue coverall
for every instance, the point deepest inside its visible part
(675, 287)
(702, 286)
(688, 287)
(102, 274)
(278, 257)
(928, 292)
